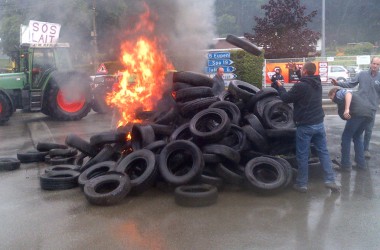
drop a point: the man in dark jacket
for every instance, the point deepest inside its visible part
(218, 80)
(308, 117)
(357, 113)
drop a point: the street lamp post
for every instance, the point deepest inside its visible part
(95, 43)
(323, 48)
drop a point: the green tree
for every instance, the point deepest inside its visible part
(283, 31)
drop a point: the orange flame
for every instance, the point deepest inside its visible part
(142, 82)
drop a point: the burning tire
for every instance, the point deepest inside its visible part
(69, 98)
(5, 108)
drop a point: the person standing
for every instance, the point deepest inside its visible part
(357, 114)
(218, 80)
(369, 91)
(277, 77)
(308, 116)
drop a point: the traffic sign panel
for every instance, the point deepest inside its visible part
(219, 62)
(227, 69)
(219, 55)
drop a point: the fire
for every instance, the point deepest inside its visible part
(142, 82)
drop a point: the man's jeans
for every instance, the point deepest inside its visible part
(304, 136)
(368, 133)
(354, 131)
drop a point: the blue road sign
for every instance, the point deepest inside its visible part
(219, 55)
(227, 69)
(219, 62)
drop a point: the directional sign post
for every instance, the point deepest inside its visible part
(217, 60)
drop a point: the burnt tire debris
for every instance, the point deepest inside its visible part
(194, 147)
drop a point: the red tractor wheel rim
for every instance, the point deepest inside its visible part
(67, 106)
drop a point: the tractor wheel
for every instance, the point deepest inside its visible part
(5, 108)
(69, 100)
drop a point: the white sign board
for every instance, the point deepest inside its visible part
(360, 60)
(40, 33)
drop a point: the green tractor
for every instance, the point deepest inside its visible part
(43, 79)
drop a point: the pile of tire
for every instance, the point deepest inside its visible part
(194, 145)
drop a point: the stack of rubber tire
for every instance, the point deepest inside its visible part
(195, 144)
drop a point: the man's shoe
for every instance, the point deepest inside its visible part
(333, 187)
(342, 169)
(359, 168)
(299, 188)
(367, 154)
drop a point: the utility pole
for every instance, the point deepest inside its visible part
(94, 36)
(323, 46)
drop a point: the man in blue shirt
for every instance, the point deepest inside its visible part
(353, 109)
(368, 90)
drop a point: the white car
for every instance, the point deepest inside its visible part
(338, 72)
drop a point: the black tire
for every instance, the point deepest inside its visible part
(195, 165)
(235, 138)
(96, 170)
(62, 167)
(278, 115)
(47, 146)
(229, 155)
(210, 125)
(258, 142)
(265, 174)
(140, 166)
(189, 94)
(142, 135)
(156, 146)
(258, 109)
(242, 90)
(58, 160)
(196, 195)
(243, 44)
(83, 146)
(189, 109)
(70, 152)
(255, 123)
(9, 163)
(265, 92)
(59, 180)
(230, 108)
(230, 175)
(193, 78)
(276, 133)
(105, 154)
(60, 104)
(182, 133)
(31, 156)
(6, 109)
(107, 189)
(100, 139)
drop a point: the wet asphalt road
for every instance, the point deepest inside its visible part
(32, 218)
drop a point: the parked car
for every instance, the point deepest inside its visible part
(101, 85)
(338, 72)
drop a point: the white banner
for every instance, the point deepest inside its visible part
(41, 33)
